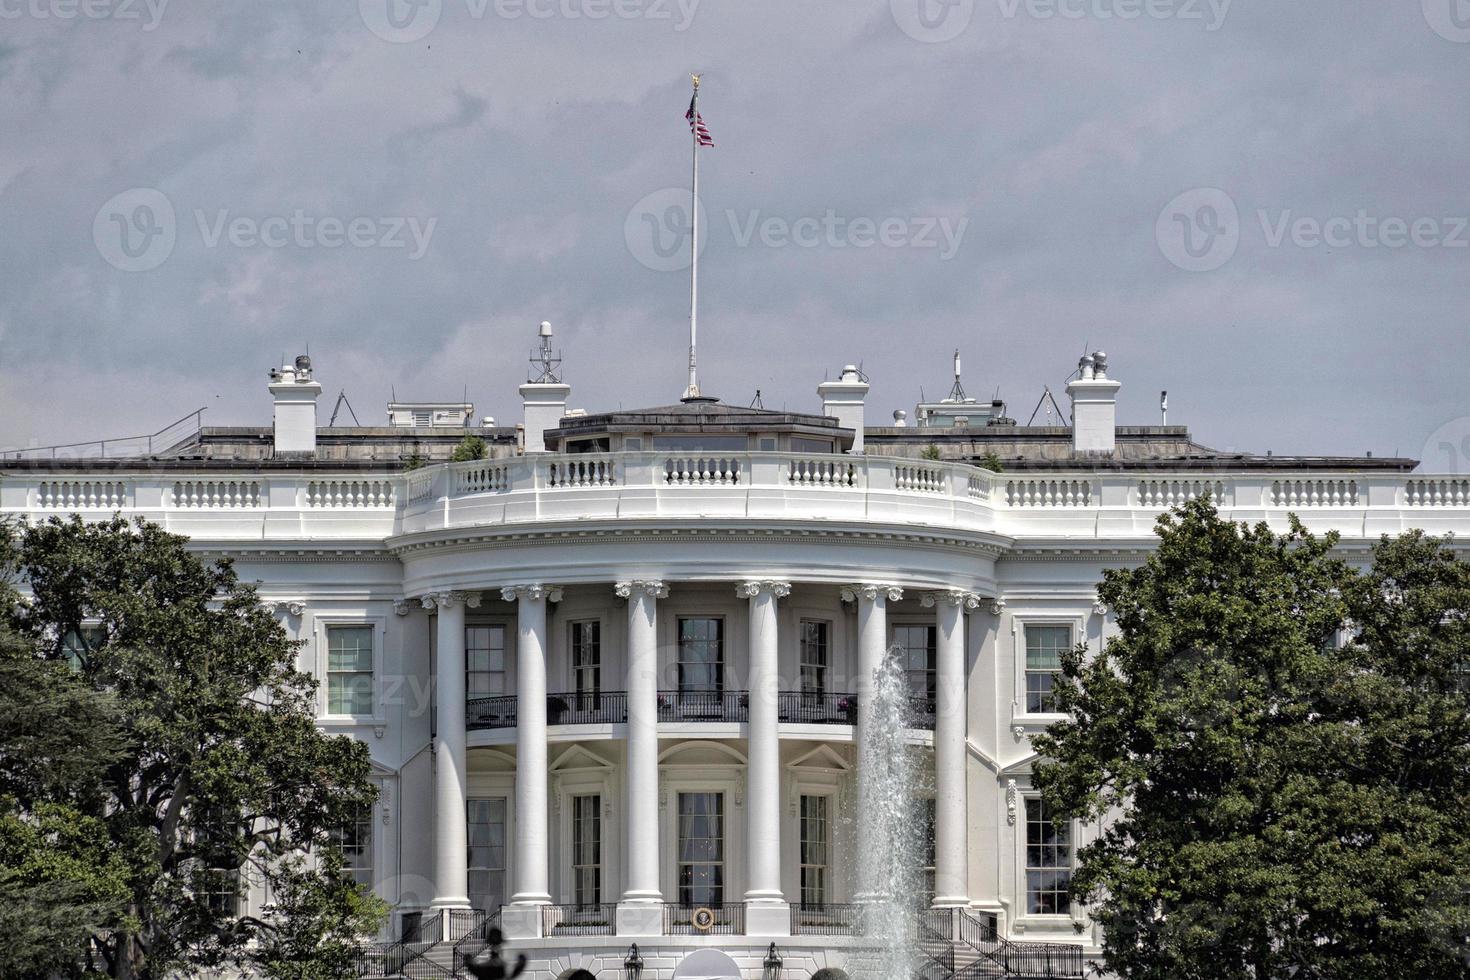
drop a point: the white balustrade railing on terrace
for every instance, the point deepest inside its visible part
(818, 487)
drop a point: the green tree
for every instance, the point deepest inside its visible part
(470, 447)
(219, 772)
(990, 461)
(1272, 804)
(316, 922)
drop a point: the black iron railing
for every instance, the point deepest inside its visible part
(601, 708)
(703, 706)
(473, 942)
(816, 708)
(1036, 961)
(405, 958)
(466, 922)
(827, 920)
(496, 712)
(578, 920)
(704, 920)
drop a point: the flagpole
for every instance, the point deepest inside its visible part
(693, 390)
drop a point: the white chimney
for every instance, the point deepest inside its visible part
(843, 399)
(1094, 406)
(295, 395)
(545, 398)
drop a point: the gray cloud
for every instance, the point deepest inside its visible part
(528, 139)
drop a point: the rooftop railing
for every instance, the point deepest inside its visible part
(552, 488)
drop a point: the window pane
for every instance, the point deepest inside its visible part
(484, 650)
(918, 649)
(1048, 862)
(814, 655)
(1044, 648)
(701, 654)
(814, 850)
(701, 849)
(587, 850)
(486, 863)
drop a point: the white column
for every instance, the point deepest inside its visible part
(638, 915)
(872, 615)
(531, 860)
(763, 766)
(951, 866)
(451, 874)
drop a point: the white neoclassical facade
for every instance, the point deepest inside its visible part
(614, 677)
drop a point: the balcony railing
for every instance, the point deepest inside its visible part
(703, 706)
(827, 920)
(578, 920)
(816, 708)
(611, 708)
(704, 920)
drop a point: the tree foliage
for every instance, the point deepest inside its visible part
(469, 448)
(205, 770)
(1273, 804)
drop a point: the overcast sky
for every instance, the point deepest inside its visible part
(1260, 206)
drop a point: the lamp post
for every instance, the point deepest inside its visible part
(772, 964)
(633, 964)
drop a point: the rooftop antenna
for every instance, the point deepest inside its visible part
(957, 393)
(1046, 396)
(342, 400)
(1164, 408)
(544, 359)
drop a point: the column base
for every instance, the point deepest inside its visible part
(521, 921)
(951, 902)
(640, 918)
(765, 917)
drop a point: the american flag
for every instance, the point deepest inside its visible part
(696, 122)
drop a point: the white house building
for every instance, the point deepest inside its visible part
(614, 676)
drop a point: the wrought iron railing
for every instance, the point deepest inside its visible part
(703, 706)
(704, 920)
(816, 708)
(583, 708)
(496, 712)
(578, 920)
(472, 943)
(1038, 961)
(406, 957)
(827, 920)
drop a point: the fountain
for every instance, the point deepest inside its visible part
(891, 846)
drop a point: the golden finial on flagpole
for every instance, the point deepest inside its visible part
(696, 79)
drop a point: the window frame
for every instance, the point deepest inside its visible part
(363, 819)
(824, 685)
(321, 627)
(1026, 867)
(931, 668)
(1027, 672)
(825, 868)
(506, 653)
(575, 651)
(723, 863)
(597, 867)
(506, 846)
(719, 664)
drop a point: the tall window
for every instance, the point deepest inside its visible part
(486, 853)
(1044, 647)
(354, 842)
(918, 648)
(701, 849)
(77, 644)
(701, 655)
(814, 656)
(587, 850)
(587, 656)
(349, 670)
(815, 850)
(484, 661)
(924, 820)
(1048, 862)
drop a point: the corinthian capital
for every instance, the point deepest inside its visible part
(751, 588)
(536, 593)
(852, 593)
(653, 588)
(451, 597)
(952, 597)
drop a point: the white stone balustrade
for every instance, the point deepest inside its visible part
(548, 488)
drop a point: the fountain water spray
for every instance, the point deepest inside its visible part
(890, 875)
